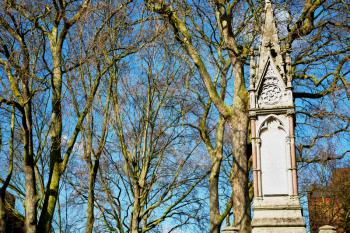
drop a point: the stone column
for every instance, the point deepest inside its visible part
(289, 164)
(255, 168)
(258, 164)
(292, 153)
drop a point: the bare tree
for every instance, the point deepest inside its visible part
(50, 27)
(211, 128)
(156, 178)
(19, 62)
(233, 26)
(113, 127)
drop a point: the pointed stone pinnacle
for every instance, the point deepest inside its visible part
(270, 47)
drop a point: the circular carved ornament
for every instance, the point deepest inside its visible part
(270, 94)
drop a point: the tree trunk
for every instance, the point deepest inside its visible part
(215, 223)
(30, 200)
(55, 152)
(240, 188)
(135, 215)
(29, 171)
(50, 200)
(91, 198)
(2, 214)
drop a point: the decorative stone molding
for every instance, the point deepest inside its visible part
(252, 115)
(272, 123)
(290, 112)
(272, 90)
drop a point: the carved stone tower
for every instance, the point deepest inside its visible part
(276, 205)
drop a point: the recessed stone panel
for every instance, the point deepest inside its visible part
(273, 158)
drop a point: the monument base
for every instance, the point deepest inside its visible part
(277, 214)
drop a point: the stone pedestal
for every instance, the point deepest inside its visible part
(277, 214)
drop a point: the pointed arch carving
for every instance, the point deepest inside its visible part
(271, 121)
(271, 89)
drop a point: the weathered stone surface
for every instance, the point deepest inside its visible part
(279, 230)
(277, 214)
(327, 229)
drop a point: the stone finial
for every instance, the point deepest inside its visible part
(269, 40)
(270, 47)
(327, 229)
(270, 36)
(288, 60)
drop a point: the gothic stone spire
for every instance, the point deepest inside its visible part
(270, 47)
(269, 88)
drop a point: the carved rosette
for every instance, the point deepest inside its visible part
(270, 92)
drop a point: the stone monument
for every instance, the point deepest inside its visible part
(276, 205)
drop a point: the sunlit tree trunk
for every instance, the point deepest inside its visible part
(215, 223)
(136, 209)
(56, 137)
(91, 197)
(29, 171)
(239, 122)
(240, 172)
